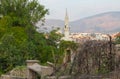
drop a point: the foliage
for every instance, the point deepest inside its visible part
(19, 39)
(54, 38)
(22, 12)
(68, 44)
(19, 68)
(117, 40)
(95, 57)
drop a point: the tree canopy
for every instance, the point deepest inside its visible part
(23, 12)
(19, 39)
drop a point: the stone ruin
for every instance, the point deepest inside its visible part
(33, 68)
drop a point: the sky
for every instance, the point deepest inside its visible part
(78, 9)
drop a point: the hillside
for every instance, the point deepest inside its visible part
(105, 22)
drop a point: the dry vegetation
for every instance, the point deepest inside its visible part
(94, 60)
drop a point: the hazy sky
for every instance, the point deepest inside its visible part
(78, 9)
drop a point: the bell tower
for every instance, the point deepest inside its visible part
(66, 27)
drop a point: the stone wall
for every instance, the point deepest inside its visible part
(17, 78)
(19, 72)
(10, 77)
(30, 72)
(61, 77)
(36, 69)
(5, 77)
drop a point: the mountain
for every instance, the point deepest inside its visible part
(105, 22)
(50, 24)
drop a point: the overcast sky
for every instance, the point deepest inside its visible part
(78, 9)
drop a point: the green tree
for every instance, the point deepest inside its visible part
(19, 39)
(68, 44)
(23, 12)
(54, 38)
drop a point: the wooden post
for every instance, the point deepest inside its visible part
(30, 73)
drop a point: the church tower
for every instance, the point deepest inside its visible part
(66, 27)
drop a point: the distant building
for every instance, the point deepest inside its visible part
(66, 29)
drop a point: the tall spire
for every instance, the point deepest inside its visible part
(66, 14)
(66, 28)
(66, 18)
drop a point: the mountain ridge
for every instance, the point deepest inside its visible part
(104, 22)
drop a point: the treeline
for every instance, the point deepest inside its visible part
(19, 40)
